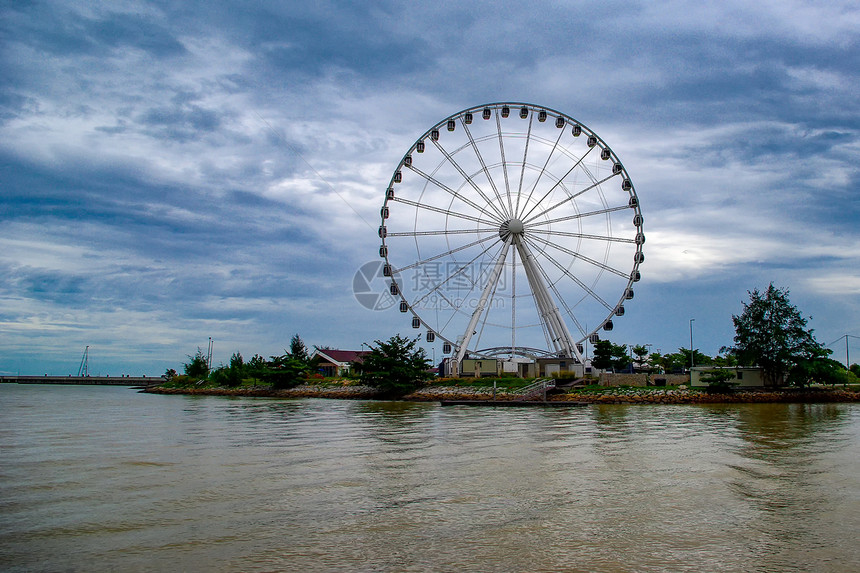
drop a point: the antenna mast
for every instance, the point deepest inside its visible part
(84, 368)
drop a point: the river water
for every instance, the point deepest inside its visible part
(107, 479)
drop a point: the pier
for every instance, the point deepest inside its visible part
(514, 403)
(84, 380)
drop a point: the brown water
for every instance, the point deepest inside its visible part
(102, 479)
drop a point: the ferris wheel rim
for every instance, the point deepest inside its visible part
(494, 213)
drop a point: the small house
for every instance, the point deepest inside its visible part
(546, 367)
(332, 362)
(745, 376)
(479, 367)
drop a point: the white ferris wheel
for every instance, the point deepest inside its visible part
(511, 228)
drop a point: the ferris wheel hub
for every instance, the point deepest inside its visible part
(511, 227)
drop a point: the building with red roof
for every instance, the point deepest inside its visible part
(334, 362)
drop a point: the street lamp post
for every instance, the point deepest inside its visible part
(692, 356)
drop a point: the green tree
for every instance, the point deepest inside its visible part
(602, 356)
(230, 375)
(298, 350)
(198, 367)
(855, 369)
(655, 360)
(771, 333)
(620, 358)
(673, 362)
(699, 359)
(236, 370)
(817, 367)
(256, 367)
(285, 371)
(608, 355)
(395, 367)
(725, 359)
(641, 353)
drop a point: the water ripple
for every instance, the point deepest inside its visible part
(103, 478)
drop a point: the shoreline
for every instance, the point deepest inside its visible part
(609, 396)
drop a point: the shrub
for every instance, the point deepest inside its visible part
(197, 367)
(566, 375)
(719, 381)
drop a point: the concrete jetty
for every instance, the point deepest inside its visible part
(85, 380)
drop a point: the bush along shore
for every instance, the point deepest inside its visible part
(591, 395)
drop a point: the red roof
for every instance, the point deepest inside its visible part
(343, 355)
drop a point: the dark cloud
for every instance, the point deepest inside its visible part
(129, 211)
(57, 29)
(180, 123)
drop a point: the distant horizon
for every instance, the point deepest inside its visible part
(178, 367)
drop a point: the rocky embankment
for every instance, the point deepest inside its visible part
(303, 391)
(602, 396)
(650, 396)
(646, 396)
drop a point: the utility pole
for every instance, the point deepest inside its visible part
(692, 355)
(648, 357)
(847, 357)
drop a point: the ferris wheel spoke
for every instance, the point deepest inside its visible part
(504, 165)
(443, 232)
(446, 253)
(548, 311)
(543, 170)
(484, 165)
(450, 191)
(581, 257)
(558, 295)
(448, 212)
(574, 278)
(567, 199)
(554, 288)
(583, 236)
(456, 273)
(488, 308)
(455, 305)
(523, 170)
(490, 287)
(471, 182)
(580, 215)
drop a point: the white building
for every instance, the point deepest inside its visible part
(745, 376)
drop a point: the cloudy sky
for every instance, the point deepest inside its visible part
(174, 171)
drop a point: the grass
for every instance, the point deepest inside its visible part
(183, 381)
(506, 383)
(597, 389)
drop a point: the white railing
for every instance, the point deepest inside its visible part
(539, 386)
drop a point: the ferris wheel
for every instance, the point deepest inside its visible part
(511, 225)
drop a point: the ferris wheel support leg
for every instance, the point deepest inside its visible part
(482, 303)
(548, 310)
